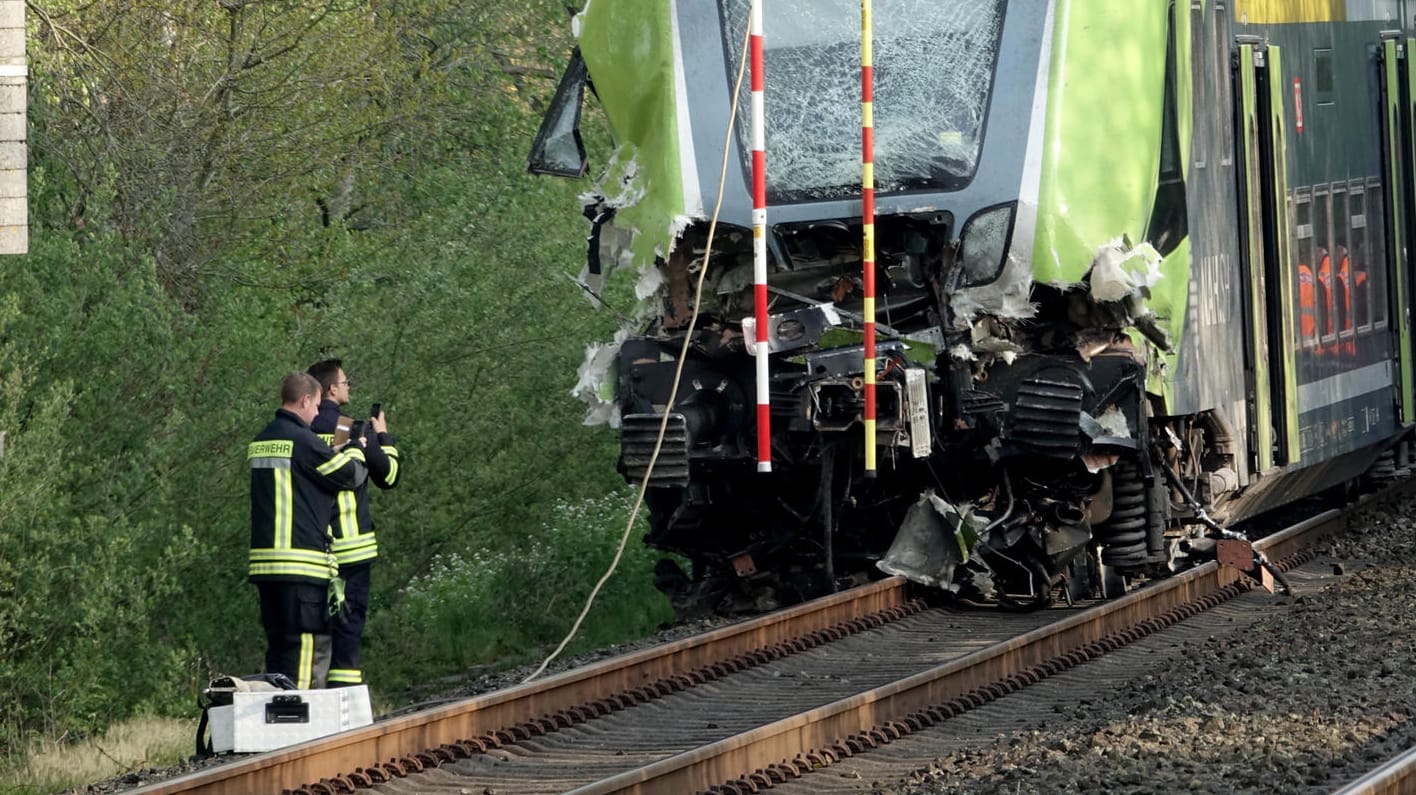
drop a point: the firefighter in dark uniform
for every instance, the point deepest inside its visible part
(295, 478)
(352, 524)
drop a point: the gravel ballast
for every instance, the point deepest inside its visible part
(1306, 700)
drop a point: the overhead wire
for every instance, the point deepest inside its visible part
(678, 371)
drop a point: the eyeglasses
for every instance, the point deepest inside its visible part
(346, 382)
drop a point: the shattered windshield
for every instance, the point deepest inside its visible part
(934, 66)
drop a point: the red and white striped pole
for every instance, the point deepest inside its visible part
(867, 195)
(759, 243)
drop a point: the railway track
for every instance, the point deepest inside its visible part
(743, 707)
(1396, 777)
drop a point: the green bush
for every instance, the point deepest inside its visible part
(513, 603)
(187, 250)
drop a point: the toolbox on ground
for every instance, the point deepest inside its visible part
(268, 719)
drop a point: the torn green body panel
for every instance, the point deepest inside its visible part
(1171, 295)
(1100, 155)
(628, 47)
(1168, 300)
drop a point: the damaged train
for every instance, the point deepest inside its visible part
(1143, 272)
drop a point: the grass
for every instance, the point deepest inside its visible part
(130, 745)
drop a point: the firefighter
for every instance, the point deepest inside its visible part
(352, 524)
(295, 477)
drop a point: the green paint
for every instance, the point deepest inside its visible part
(1396, 197)
(839, 337)
(628, 46)
(1286, 358)
(1101, 149)
(1168, 299)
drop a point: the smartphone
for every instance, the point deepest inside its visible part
(357, 430)
(375, 409)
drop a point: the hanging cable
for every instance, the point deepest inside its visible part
(678, 372)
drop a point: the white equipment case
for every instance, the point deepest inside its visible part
(269, 719)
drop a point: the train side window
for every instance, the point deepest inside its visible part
(1325, 284)
(1303, 253)
(1376, 252)
(1219, 40)
(1200, 84)
(1357, 254)
(1323, 76)
(1341, 264)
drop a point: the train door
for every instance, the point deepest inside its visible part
(1396, 70)
(1269, 354)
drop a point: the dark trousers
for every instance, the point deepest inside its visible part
(348, 631)
(296, 621)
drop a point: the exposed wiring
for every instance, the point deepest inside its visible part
(678, 371)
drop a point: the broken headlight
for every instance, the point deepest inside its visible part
(984, 244)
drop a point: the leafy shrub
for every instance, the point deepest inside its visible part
(498, 604)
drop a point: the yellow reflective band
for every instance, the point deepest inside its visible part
(276, 448)
(348, 515)
(870, 445)
(320, 572)
(297, 555)
(392, 470)
(868, 307)
(391, 451)
(867, 175)
(339, 461)
(867, 114)
(352, 676)
(354, 542)
(358, 556)
(307, 661)
(284, 513)
(327, 437)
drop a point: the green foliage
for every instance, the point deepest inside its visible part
(225, 192)
(508, 604)
(82, 577)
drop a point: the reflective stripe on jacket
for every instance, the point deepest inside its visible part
(295, 478)
(351, 523)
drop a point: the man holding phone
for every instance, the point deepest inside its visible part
(352, 524)
(295, 479)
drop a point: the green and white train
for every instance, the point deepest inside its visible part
(1143, 271)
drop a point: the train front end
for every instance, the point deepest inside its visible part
(1022, 302)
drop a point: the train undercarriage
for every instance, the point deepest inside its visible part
(1022, 460)
(1018, 455)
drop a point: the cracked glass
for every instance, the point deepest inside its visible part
(934, 68)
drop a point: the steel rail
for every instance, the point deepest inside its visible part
(776, 744)
(1395, 777)
(411, 734)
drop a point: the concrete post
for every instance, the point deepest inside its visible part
(14, 185)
